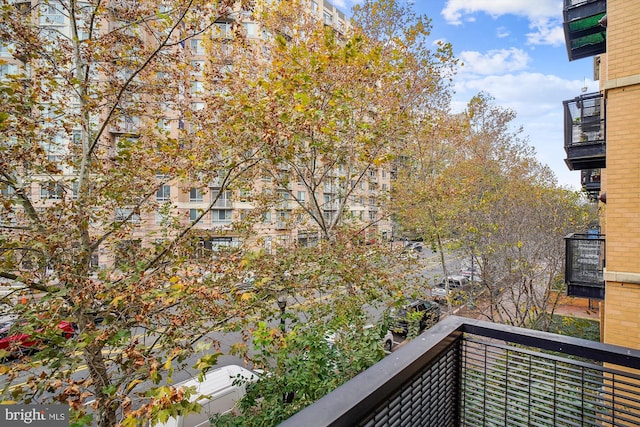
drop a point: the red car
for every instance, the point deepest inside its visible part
(17, 343)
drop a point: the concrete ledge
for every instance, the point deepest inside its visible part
(622, 82)
(622, 277)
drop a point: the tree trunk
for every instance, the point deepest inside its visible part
(106, 415)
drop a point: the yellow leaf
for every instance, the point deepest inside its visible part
(246, 296)
(132, 384)
(167, 364)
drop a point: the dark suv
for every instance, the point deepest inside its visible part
(430, 315)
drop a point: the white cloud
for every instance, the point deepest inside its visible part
(342, 4)
(546, 32)
(502, 32)
(534, 10)
(494, 61)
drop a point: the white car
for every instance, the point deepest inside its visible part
(457, 284)
(218, 393)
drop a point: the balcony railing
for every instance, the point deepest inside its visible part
(584, 132)
(465, 372)
(585, 32)
(584, 265)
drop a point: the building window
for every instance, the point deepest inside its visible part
(76, 136)
(51, 14)
(6, 190)
(75, 186)
(197, 106)
(6, 48)
(266, 218)
(197, 88)
(127, 214)
(51, 190)
(164, 125)
(7, 69)
(328, 19)
(372, 215)
(226, 69)
(195, 195)
(385, 187)
(197, 68)
(197, 48)
(384, 173)
(222, 30)
(302, 195)
(250, 29)
(164, 193)
(193, 214)
(221, 216)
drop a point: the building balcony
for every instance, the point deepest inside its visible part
(584, 132)
(584, 265)
(590, 180)
(465, 372)
(585, 30)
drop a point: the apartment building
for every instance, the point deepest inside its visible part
(605, 147)
(216, 207)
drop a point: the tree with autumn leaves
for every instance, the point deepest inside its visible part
(103, 113)
(473, 187)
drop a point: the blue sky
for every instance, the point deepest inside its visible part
(515, 51)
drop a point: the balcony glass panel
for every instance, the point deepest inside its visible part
(584, 132)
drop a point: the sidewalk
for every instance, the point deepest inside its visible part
(567, 306)
(578, 307)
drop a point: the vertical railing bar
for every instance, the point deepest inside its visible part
(613, 398)
(555, 391)
(582, 408)
(529, 411)
(506, 386)
(484, 384)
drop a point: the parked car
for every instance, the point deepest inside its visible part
(457, 285)
(17, 343)
(387, 340)
(217, 394)
(416, 246)
(430, 315)
(471, 272)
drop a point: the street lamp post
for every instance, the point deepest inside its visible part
(287, 396)
(282, 304)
